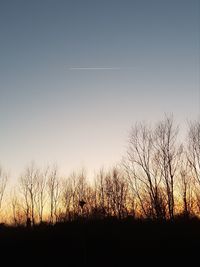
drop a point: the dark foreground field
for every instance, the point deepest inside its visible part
(102, 243)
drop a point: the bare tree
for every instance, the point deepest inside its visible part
(41, 196)
(111, 194)
(194, 149)
(3, 183)
(78, 195)
(14, 204)
(99, 206)
(119, 193)
(186, 187)
(28, 188)
(81, 191)
(68, 197)
(142, 173)
(100, 184)
(17, 216)
(54, 192)
(167, 158)
(193, 156)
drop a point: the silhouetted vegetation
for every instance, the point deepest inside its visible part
(145, 207)
(159, 178)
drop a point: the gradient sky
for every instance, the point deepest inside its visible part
(53, 112)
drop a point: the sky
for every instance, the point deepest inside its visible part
(76, 75)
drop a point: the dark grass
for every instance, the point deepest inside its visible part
(107, 242)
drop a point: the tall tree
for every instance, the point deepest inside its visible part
(168, 154)
(193, 156)
(3, 183)
(41, 195)
(54, 193)
(142, 173)
(29, 189)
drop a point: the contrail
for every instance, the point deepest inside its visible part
(94, 68)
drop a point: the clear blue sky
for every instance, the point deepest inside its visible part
(52, 112)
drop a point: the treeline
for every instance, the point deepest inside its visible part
(158, 178)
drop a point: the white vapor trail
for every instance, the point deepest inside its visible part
(94, 68)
